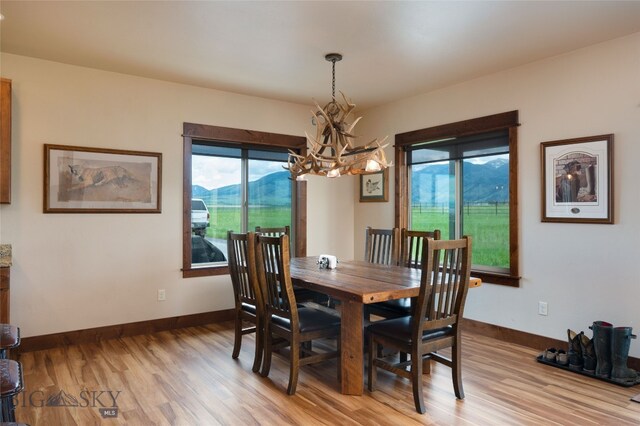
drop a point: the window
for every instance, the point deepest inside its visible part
(461, 178)
(234, 180)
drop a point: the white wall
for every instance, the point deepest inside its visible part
(585, 272)
(76, 271)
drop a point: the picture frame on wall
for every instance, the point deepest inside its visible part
(96, 180)
(577, 180)
(374, 187)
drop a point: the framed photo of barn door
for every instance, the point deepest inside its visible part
(96, 180)
(577, 180)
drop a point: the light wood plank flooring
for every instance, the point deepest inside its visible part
(187, 377)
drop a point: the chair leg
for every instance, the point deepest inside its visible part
(294, 366)
(456, 369)
(373, 373)
(237, 341)
(257, 358)
(416, 382)
(268, 346)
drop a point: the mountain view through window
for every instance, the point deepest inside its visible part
(242, 189)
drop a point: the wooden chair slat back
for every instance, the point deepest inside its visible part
(242, 267)
(273, 258)
(381, 246)
(411, 243)
(273, 232)
(446, 268)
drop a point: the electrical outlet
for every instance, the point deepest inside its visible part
(162, 296)
(542, 308)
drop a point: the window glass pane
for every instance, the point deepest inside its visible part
(485, 209)
(433, 198)
(491, 143)
(282, 156)
(217, 182)
(216, 150)
(269, 195)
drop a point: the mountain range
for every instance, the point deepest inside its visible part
(490, 183)
(273, 189)
(428, 185)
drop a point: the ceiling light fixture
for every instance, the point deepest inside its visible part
(332, 152)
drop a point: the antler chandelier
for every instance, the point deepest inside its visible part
(332, 152)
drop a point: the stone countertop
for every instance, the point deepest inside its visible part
(5, 255)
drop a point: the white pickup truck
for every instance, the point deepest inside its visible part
(199, 217)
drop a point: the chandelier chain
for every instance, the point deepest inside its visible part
(333, 79)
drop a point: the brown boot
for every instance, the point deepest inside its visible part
(588, 354)
(575, 350)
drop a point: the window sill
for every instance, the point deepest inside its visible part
(495, 278)
(205, 271)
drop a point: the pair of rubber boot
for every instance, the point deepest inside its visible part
(611, 346)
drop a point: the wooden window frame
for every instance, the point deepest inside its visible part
(507, 120)
(203, 132)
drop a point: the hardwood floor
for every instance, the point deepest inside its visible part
(187, 377)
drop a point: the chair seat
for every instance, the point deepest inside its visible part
(11, 377)
(400, 329)
(9, 336)
(397, 305)
(310, 320)
(249, 308)
(306, 295)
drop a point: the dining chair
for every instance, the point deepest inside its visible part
(298, 325)
(11, 384)
(411, 243)
(249, 304)
(381, 246)
(302, 294)
(435, 323)
(9, 339)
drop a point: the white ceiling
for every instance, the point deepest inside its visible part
(276, 50)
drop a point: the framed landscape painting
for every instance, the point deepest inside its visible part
(95, 180)
(577, 180)
(375, 186)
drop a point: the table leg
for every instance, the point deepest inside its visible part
(351, 339)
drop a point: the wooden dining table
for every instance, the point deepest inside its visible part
(357, 283)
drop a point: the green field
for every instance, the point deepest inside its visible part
(488, 225)
(223, 219)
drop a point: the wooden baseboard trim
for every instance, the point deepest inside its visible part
(92, 335)
(523, 338)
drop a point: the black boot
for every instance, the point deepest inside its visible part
(620, 372)
(575, 350)
(602, 344)
(588, 354)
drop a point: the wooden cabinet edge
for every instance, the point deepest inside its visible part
(5, 141)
